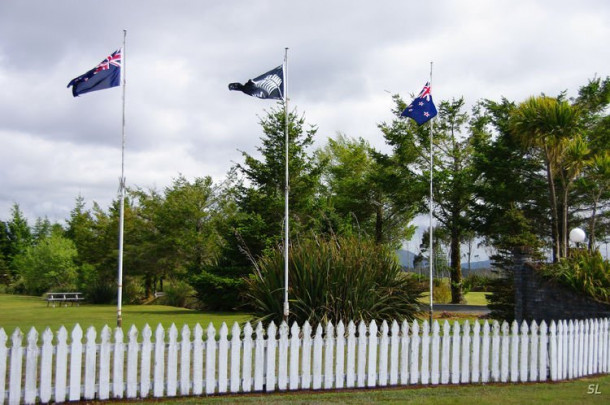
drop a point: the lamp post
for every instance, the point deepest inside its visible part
(577, 236)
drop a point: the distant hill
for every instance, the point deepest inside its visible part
(405, 257)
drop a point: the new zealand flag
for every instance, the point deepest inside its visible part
(104, 76)
(421, 109)
(268, 85)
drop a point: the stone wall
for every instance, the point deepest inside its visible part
(542, 299)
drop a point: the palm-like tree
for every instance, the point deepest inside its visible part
(549, 126)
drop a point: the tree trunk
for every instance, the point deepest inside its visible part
(456, 269)
(554, 213)
(379, 224)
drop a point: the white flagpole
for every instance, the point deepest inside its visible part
(286, 190)
(119, 319)
(431, 260)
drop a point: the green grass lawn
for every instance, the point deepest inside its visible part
(472, 298)
(27, 312)
(594, 390)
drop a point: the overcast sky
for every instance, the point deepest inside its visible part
(345, 57)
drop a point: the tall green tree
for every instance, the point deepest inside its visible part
(48, 265)
(367, 191)
(19, 237)
(549, 127)
(260, 193)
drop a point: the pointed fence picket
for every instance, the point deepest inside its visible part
(62, 367)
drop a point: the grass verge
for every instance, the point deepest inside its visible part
(27, 312)
(594, 390)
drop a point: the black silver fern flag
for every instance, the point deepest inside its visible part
(268, 85)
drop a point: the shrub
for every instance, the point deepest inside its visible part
(584, 271)
(340, 278)
(178, 293)
(442, 291)
(217, 293)
(476, 282)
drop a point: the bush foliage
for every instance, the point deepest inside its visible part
(584, 271)
(333, 279)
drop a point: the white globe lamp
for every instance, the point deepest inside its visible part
(577, 235)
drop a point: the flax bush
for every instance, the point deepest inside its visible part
(584, 271)
(339, 278)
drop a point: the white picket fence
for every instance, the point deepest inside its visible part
(271, 360)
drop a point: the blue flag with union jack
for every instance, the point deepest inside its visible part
(421, 109)
(104, 76)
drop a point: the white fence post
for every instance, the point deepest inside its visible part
(404, 353)
(31, 367)
(435, 355)
(553, 351)
(425, 353)
(210, 360)
(295, 347)
(340, 357)
(282, 381)
(329, 346)
(476, 352)
(362, 339)
(259, 358)
(350, 364)
(172, 362)
(90, 363)
(159, 362)
(446, 350)
(543, 353)
(394, 352)
(504, 356)
(306, 356)
(104, 370)
(185, 361)
(46, 366)
(384, 344)
(235, 378)
(145, 361)
(466, 354)
(485, 344)
(523, 353)
(455, 353)
(514, 352)
(414, 371)
(271, 349)
(534, 339)
(3, 355)
(14, 395)
(318, 343)
(118, 364)
(247, 358)
(132, 363)
(61, 366)
(198, 360)
(371, 375)
(223, 359)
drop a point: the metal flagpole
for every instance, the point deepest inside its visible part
(286, 189)
(431, 260)
(119, 317)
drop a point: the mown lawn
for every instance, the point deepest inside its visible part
(27, 312)
(472, 298)
(584, 391)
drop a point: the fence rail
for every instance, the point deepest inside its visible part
(331, 357)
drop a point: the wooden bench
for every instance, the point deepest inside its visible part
(64, 297)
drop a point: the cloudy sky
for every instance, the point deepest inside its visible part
(345, 58)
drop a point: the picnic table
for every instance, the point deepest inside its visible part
(64, 297)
